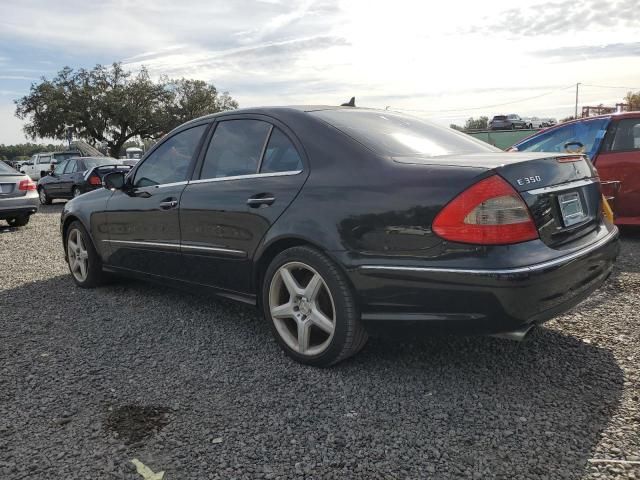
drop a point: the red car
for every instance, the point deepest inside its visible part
(612, 143)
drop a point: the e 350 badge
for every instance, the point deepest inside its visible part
(528, 180)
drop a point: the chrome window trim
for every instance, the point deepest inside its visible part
(163, 185)
(251, 175)
(506, 271)
(564, 186)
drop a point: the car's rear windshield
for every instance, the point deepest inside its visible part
(500, 117)
(398, 135)
(4, 168)
(96, 162)
(62, 156)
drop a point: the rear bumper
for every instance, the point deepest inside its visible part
(482, 301)
(25, 205)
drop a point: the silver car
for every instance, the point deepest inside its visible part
(18, 196)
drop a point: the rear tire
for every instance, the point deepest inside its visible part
(311, 308)
(18, 221)
(44, 198)
(83, 260)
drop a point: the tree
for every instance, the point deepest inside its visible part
(633, 100)
(567, 119)
(481, 123)
(111, 106)
(456, 127)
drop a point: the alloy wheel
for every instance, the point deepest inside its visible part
(76, 192)
(78, 256)
(43, 196)
(302, 308)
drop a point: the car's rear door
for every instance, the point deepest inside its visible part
(250, 172)
(143, 219)
(619, 161)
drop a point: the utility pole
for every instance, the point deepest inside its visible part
(576, 113)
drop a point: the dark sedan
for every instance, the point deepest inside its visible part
(76, 176)
(337, 220)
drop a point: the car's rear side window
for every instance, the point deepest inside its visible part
(626, 136)
(235, 148)
(4, 168)
(281, 155)
(394, 134)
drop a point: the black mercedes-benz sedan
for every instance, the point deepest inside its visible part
(337, 220)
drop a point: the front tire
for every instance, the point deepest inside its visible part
(311, 308)
(83, 260)
(44, 198)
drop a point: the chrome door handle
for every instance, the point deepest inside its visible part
(258, 201)
(168, 204)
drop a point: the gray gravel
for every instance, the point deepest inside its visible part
(196, 387)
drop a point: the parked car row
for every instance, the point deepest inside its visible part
(513, 122)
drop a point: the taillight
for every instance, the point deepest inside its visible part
(95, 180)
(488, 213)
(27, 185)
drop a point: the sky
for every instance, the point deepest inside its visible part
(445, 61)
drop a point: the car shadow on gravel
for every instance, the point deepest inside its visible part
(439, 407)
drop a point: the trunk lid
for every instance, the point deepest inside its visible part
(9, 185)
(562, 191)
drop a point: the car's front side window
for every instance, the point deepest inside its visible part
(627, 136)
(44, 159)
(60, 168)
(71, 166)
(235, 149)
(169, 163)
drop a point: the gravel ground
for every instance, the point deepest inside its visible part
(194, 386)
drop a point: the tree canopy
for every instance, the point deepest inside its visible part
(110, 105)
(480, 123)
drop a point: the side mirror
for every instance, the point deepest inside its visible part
(114, 181)
(54, 162)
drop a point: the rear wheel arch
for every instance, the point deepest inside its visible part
(272, 250)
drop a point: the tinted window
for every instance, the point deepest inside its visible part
(627, 135)
(499, 117)
(394, 134)
(589, 133)
(4, 168)
(280, 155)
(235, 149)
(60, 168)
(96, 162)
(71, 167)
(65, 155)
(169, 163)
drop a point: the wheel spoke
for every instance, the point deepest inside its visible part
(83, 268)
(313, 287)
(72, 245)
(290, 283)
(304, 335)
(321, 321)
(282, 311)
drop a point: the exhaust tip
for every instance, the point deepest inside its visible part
(515, 335)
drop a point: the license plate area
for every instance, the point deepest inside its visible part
(571, 208)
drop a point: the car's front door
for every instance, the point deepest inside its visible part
(65, 182)
(52, 182)
(619, 161)
(143, 219)
(249, 174)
